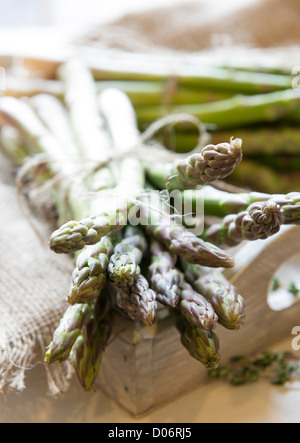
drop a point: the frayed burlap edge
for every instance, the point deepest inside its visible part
(33, 286)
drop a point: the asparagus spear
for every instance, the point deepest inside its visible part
(196, 309)
(260, 177)
(74, 236)
(221, 203)
(184, 243)
(280, 164)
(119, 115)
(120, 118)
(67, 332)
(291, 208)
(151, 93)
(165, 278)
(264, 140)
(80, 96)
(227, 303)
(124, 264)
(201, 345)
(260, 140)
(173, 292)
(140, 93)
(179, 240)
(235, 112)
(189, 74)
(56, 118)
(138, 301)
(259, 221)
(90, 273)
(19, 115)
(211, 164)
(86, 354)
(28, 87)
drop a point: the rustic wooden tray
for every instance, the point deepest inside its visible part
(146, 367)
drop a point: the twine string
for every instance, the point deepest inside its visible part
(144, 149)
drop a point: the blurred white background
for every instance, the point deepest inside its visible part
(38, 27)
(33, 26)
(25, 13)
(15, 13)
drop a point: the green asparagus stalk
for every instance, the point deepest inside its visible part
(151, 93)
(285, 164)
(119, 115)
(235, 112)
(227, 303)
(67, 332)
(179, 240)
(264, 140)
(19, 115)
(259, 140)
(196, 309)
(138, 301)
(18, 87)
(120, 118)
(87, 352)
(140, 93)
(90, 274)
(291, 208)
(74, 236)
(165, 278)
(220, 203)
(195, 75)
(260, 177)
(80, 97)
(124, 264)
(211, 164)
(56, 118)
(201, 345)
(259, 221)
(186, 244)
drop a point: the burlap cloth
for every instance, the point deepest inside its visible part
(33, 287)
(34, 281)
(203, 25)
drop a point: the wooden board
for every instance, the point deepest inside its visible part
(146, 367)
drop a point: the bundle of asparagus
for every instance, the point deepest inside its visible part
(133, 254)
